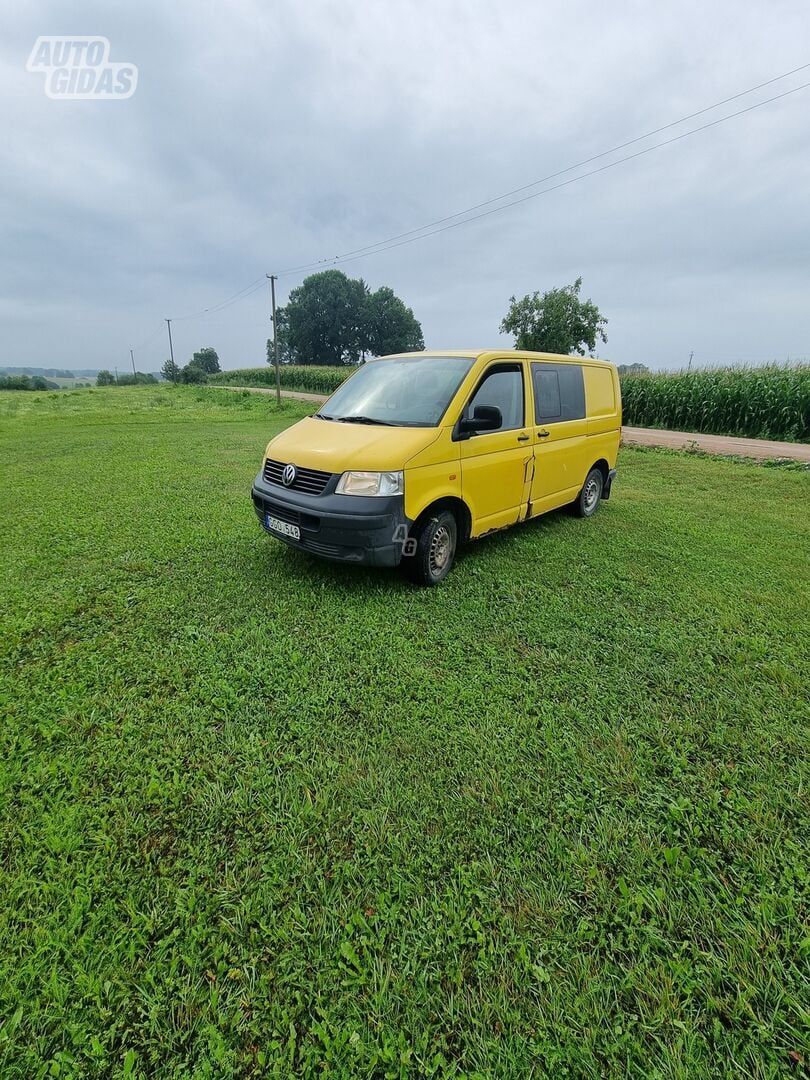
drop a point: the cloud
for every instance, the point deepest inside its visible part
(262, 137)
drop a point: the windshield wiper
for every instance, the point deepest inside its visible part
(321, 416)
(362, 420)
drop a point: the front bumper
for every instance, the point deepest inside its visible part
(356, 529)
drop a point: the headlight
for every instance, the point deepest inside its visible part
(371, 483)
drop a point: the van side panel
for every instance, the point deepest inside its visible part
(602, 402)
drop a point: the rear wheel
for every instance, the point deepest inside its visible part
(587, 502)
(435, 548)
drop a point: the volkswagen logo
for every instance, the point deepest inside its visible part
(288, 475)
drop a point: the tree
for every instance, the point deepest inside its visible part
(390, 326)
(171, 371)
(206, 360)
(334, 319)
(633, 369)
(285, 354)
(105, 378)
(557, 322)
(323, 319)
(192, 374)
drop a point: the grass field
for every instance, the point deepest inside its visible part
(267, 816)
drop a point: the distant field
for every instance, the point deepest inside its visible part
(70, 384)
(264, 816)
(761, 403)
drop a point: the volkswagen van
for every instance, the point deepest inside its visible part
(416, 453)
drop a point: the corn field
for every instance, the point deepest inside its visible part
(770, 402)
(766, 403)
(306, 378)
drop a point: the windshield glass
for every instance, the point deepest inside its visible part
(411, 391)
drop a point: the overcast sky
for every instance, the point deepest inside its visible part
(266, 135)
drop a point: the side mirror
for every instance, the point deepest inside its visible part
(484, 418)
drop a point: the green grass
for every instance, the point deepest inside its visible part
(266, 816)
(771, 402)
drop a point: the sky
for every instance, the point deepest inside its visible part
(265, 136)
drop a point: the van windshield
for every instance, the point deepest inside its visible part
(406, 391)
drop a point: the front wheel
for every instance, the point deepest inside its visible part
(587, 502)
(435, 549)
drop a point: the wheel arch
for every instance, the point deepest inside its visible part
(603, 467)
(456, 506)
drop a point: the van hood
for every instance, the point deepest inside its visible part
(335, 447)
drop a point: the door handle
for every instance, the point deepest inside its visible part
(523, 438)
(543, 434)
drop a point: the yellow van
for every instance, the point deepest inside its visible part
(417, 452)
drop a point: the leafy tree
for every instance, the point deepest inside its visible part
(105, 378)
(390, 326)
(633, 369)
(557, 322)
(285, 354)
(323, 319)
(206, 360)
(15, 382)
(334, 319)
(192, 374)
(171, 371)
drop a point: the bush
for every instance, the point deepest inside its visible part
(770, 402)
(140, 379)
(26, 382)
(106, 378)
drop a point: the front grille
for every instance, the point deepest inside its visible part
(309, 481)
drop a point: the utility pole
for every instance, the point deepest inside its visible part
(273, 280)
(116, 376)
(132, 358)
(691, 354)
(171, 348)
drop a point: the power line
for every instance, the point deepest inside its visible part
(431, 230)
(450, 221)
(150, 338)
(221, 306)
(254, 286)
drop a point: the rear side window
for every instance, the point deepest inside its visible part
(601, 395)
(502, 386)
(559, 393)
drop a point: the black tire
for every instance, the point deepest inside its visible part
(436, 538)
(587, 502)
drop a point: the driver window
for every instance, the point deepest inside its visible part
(502, 386)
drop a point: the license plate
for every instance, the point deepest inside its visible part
(283, 527)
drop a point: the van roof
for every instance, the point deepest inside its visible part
(519, 354)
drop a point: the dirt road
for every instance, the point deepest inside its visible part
(761, 449)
